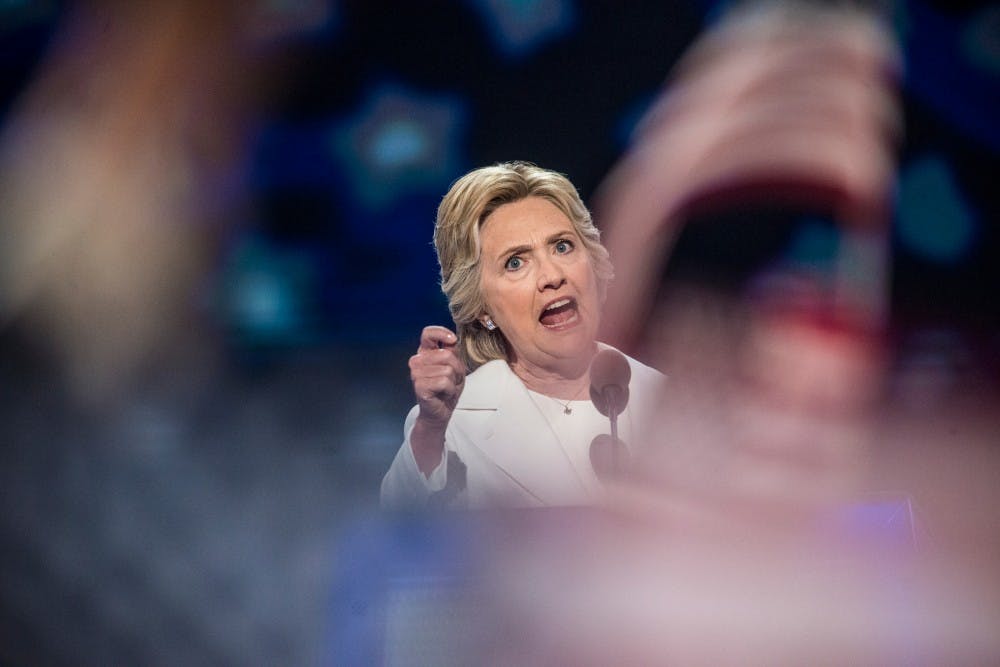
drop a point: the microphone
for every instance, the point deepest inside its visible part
(609, 378)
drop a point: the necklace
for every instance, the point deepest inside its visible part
(565, 406)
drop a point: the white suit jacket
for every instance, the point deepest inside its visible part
(500, 451)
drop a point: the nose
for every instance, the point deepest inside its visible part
(550, 274)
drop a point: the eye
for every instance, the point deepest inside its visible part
(563, 246)
(514, 263)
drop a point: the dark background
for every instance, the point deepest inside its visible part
(195, 525)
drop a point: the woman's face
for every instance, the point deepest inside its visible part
(539, 284)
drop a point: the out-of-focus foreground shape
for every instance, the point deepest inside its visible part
(107, 164)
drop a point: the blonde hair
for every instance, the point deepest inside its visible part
(461, 215)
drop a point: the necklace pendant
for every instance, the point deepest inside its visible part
(567, 410)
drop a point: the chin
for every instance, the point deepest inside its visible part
(574, 341)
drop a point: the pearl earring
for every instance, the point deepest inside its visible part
(489, 324)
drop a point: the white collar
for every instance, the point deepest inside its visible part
(492, 382)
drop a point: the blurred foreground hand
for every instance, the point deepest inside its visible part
(104, 171)
(767, 412)
(782, 104)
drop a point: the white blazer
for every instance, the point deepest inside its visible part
(499, 442)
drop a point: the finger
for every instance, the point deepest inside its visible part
(845, 51)
(854, 32)
(441, 387)
(824, 164)
(434, 337)
(445, 357)
(852, 101)
(433, 373)
(747, 80)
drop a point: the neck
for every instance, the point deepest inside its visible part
(567, 380)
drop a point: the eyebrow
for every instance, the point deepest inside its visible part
(518, 249)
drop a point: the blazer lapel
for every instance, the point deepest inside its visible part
(517, 438)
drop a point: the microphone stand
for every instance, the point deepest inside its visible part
(613, 396)
(609, 464)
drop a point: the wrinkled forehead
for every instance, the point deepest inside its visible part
(528, 222)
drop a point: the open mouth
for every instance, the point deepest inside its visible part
(559, 313)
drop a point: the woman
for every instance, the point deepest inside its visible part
(525, 275)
